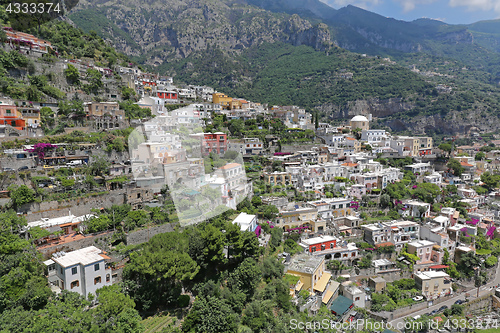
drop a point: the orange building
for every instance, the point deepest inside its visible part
(10, 115)
(24, 39)
(223, 100)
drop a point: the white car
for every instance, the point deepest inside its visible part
(418, 298)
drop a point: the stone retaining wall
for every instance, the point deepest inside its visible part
(81, 206)
(144, 235)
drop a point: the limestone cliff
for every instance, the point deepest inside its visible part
(175, 29)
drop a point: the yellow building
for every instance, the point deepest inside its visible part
(31, 115)
(301, 217)
(413, 145)
(100, 109)
(311, 272)
(433, 284)
(222, 100)
(278, 178)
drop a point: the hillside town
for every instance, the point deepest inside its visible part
(365, 223)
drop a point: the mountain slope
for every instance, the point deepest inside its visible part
(280, 57)
(187, 26)
(487, 33)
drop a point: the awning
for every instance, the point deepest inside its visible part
(327, 297)
(299, 286)
(321, 285)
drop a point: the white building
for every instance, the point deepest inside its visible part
(374, 136)
(420, 168)
(395, 233)
(82, 271)
(415, 209)
(351, 291)
(247, 146)
(435, 178)
(247, 222)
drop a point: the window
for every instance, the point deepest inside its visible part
(96, 267)
(356, 299)
(108, 278)
(74, 270)
(8, 111)
(62, 271)
(97, 280)
(75, 284)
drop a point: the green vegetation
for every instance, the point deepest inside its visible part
(277, 79)
(73, 42)
(397, 294)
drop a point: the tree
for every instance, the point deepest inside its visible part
(490, 180)
(276, 237)
(480, 156)
(93, 77)
(213, 245)
(20, 195)
(245, 277)
(100, 166)
(445, 147)
(210, 315)
(271, 268)
(116, 311)
(72, 74)
(155, 275)
(385, 200)
(127, 93)
(134, 111)
(469, 261)
(47, 116)
(256, 201)
(457, 168)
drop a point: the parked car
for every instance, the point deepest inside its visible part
(418, 298)
(24, 167)
(444, 307)
(433, 312)
(460, 301)
(8, 169)
(48, 167)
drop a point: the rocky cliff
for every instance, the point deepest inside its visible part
(166, 30)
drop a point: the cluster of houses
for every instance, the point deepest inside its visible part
(170, 149)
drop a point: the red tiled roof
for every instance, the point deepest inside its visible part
(231, 165)
(466, 164)
(384, 244)
(350, 164)
(438, 267)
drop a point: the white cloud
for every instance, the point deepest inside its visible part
(359, 3)
(409, 5)
(484, 5)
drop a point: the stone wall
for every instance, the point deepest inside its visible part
(407, 310)
(144, 235)
(11, 161)
(481, 304)
(51, 209)
(103, 240)
(300, 147)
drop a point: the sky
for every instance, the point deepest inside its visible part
(449, 11)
